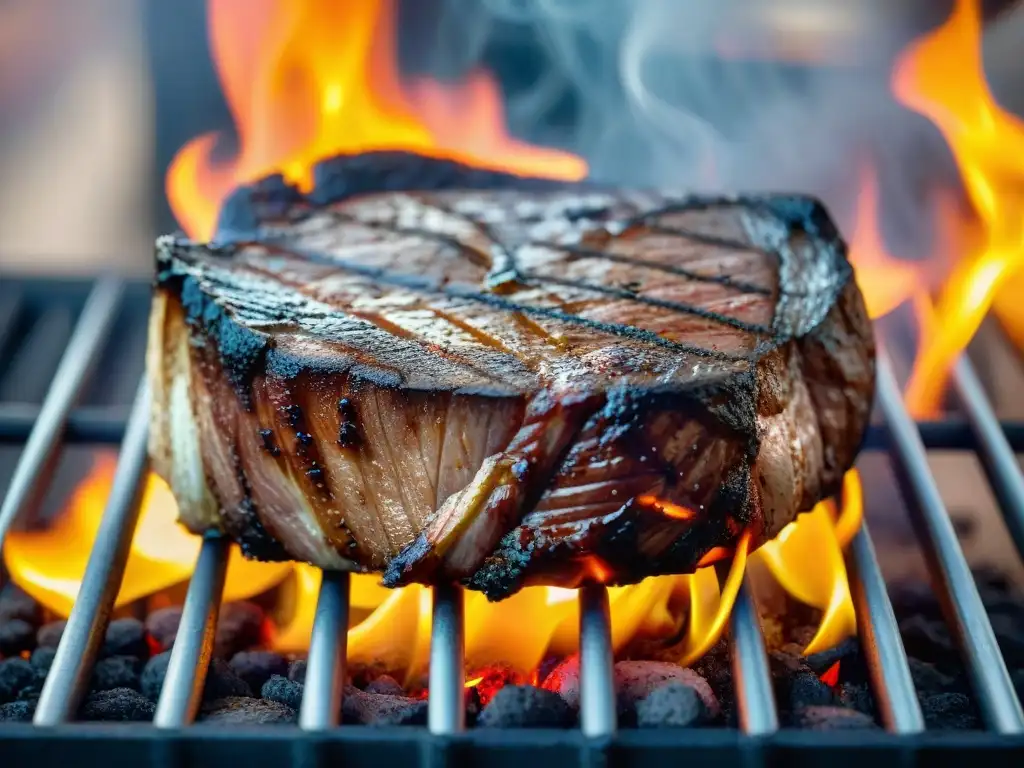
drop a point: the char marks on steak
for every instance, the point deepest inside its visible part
(443, 373)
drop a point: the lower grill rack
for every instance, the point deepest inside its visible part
(318, 738)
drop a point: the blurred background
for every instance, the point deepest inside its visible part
(98, 96)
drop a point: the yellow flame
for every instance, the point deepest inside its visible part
(806, 559)
(942, 77)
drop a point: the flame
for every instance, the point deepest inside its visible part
(308, 79)
(885, 281)
(806, 558)
(49, 564)
(391, 628)
(942, 77)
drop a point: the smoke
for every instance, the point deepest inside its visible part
(749, 95)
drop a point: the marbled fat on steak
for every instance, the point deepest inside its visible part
(446, 374)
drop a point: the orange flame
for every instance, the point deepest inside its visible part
(309, 79)
(942, 77)
(392, 627)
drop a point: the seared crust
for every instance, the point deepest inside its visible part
(532, 383)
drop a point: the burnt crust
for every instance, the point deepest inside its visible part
(730, 402)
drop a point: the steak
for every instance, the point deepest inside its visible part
(452, 375)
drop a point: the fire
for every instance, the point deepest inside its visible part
(942, 77)
(392, 627)
(309, 79)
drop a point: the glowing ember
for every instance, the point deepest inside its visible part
(942, 77)
(309, 79)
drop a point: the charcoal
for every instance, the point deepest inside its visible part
(297, 671)
(804, 689)
(17, 711)
(673, 705)
(833, 719)
(716, 669)
(856, 696)
(15, 674)
(223, 683)
(847, 653)
(117, 704)
(153, 675)
(1010, 636)
(49, 634)
(242, 710)
(42, 659)
(16, 635)
(117, 672)
(928, 639)
(125, 637)
(915, 599)
(31, 692)
(256, 667)
(784, 662)
(386, 685)
(283, 690)
(16, 603)
(162, 626)
(927, 678)
(950, 711)
(524, 706)
(360, 707)
(634, 680)
(239, 628)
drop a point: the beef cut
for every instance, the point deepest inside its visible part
(447, 374)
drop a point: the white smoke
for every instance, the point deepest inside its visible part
(750, 95)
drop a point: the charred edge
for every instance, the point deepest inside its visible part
(241, 351)
(726, 516)
(345, 176)
(267, 436)
(246, 528)
(731, 402)
(504, 571)
(252, 538)
(348, 429)
(524, 472)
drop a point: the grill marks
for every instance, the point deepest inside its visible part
(479, 385)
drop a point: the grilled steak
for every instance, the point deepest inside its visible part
(446, 374)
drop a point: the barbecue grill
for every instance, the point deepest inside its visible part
(100, 325)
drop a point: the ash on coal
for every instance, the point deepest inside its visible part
(525, 706)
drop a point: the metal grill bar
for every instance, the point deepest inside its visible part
(73, 371)
(446, 705)
(888, 667)
(58, 422)
(751, 677)
(597, 671)
(86, 424)
(72, 665)
(182, 692)
(325, 664)
(997, 458)
(985, 665)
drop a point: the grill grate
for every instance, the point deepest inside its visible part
(43, 429)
